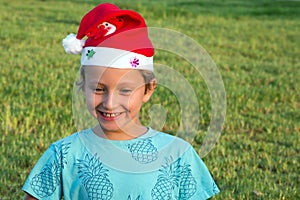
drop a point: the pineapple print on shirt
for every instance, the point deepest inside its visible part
(187, 183)
(143, 151)
(174, 175)
(44, 184)
(138, 198)
(167, 181)
(95, 178)
(215, 188)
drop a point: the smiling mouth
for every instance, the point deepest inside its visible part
(110, 115)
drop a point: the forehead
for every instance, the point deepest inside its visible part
(112, 75)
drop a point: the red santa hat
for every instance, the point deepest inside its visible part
(115, 38)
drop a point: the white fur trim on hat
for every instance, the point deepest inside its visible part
(72, 45)
(115, 58)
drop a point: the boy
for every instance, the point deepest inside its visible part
(119, 158)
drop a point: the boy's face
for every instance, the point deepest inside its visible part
(115, 96)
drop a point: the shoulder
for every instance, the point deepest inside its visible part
(168, 138)
(71, 139)
(170, 143)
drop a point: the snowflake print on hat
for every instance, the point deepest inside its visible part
(90, 53)
(134, 62)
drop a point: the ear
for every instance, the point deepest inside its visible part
(149, 90)
(81, 82)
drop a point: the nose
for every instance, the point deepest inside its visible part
(109, 101)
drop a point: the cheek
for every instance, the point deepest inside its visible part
(90, 104)
(91, 99)
(136, 100)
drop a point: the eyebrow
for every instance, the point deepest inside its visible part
(96, 82)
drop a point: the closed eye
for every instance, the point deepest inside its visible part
(99, 90)
(125, 91)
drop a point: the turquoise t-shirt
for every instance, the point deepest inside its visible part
(155, 166)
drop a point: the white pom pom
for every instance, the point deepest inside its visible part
(72, 45)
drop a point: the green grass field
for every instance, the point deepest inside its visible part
(255, 45)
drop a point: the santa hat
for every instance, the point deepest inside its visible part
(115, 38)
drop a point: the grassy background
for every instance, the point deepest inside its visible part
(255, 44)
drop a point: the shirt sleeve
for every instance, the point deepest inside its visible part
(196, 181)
(44, 181)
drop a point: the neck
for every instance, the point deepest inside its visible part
(124, 134)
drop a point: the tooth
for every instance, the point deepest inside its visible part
(110, 114)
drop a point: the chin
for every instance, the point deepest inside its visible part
(109, 127)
